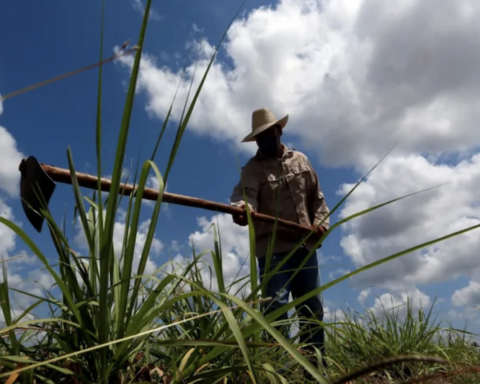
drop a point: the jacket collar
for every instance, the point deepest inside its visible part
(286, 152)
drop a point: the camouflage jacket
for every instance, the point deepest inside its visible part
(286, 188)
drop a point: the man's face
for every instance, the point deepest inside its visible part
(269, 141)
(270, 132)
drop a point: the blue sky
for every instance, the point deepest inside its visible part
(349, 94)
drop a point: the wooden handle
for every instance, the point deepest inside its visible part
(62, 175)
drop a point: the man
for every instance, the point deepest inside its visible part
(281, 182)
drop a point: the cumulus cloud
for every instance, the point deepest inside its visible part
(355, 76)
(235, 251)
(154, 183)
(415, 220)
(10, 158)
(467, 296)
(15, 260)
(7, 236)
(397, 302)
(34, 282)
(156, 248)
(139, 6)
(11, 258)
(338, 273)
(362, 297)
(468, 315)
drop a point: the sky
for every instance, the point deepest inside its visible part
(356, 78)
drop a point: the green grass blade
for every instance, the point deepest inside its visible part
(112, 342)
(5, 305)
(313, 250)
(38, 321)
(206, 343)
(29, 309)
(237, 333)
(151, 229)
(217, 258)
(33, 247)
(79, 202)
(394, 256)
(99, 226)
(165, 122)
(130, 238)
(184, 122)
(261, 321)
(375, 207)
(255, 327)
(334, 209)
(106, 251)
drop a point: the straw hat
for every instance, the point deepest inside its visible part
(262, 119)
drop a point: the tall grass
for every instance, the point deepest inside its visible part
(114, 324)
(360, 339)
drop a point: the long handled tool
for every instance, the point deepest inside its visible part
(42, 177)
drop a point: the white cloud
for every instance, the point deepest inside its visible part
(469, 315)
(467, 296)
(175, 247)
(355, 76)
(338, 273)
(11, 257)
(9, 251)
(20, 273)
(234, 245)
(154, 183)
(7, 236)
(139, 6)
(196, 29)
(415, 220)
(118, 238)
(35, 282)
(397, 302)
(126, 176)
(10, 158)
(331, 314)
(362, 297)
(235, 253)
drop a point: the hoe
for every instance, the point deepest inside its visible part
(37, 185)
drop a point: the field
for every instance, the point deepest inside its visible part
(113, 324)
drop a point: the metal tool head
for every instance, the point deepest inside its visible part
(36, 189)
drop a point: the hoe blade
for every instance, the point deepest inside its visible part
(36, 189)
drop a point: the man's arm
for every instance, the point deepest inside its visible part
(318, 207)
(250, 185)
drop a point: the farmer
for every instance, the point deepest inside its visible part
(281, 182)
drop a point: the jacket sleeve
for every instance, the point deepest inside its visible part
(318, 208)
(248, 183)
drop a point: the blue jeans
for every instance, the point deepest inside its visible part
(306, 280)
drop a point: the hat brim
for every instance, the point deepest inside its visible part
(251, 137)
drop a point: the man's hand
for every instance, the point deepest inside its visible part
(318, 231)
(241, 219)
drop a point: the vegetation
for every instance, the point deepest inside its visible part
(113, 324)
